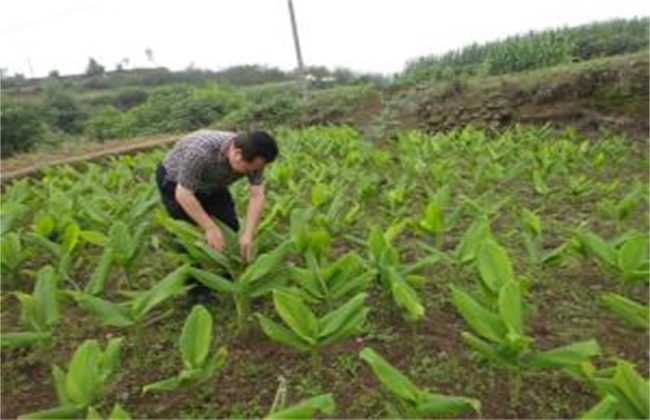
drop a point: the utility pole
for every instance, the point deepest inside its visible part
(301, 67)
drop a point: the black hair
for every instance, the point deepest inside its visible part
(257, 144)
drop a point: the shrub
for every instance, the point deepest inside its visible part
(23, 127)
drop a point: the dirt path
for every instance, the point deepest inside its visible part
(30, 164)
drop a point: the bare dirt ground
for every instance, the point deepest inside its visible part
(27, 164)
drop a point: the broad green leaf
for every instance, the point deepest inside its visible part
(61, 412)
(164, 385)
(94, 237)
(633, 392)
(215, 363)
(605, 409)
(352, 285)
(532, 223)
(565, 356)
(10, 251)
(71, 237)
(266, 263)
(494, 265)
(484, 322)
(121, 241)
(632, 312)
(111, 357)
(283, 335)
(307, 280)
(119, 413)
(82, 381)
(390, 377)
(335, 320)
(597, 246)
(436, 405)
(352, 326)
(407, 299)
(109, 312)
(296, 315)
(97, 281)
(44, 224)
(168, 287)
(634, 253)
(93, 414)
(196, 337)
(20, 339)
(59, 385)
(306, 409)
(260, 288)
(510, 307)
(483, 348)
(214, 281)
(29, 315)
(478, 232)
(46, 296)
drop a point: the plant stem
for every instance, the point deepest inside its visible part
(514, 385)
(243, 309)
(315, 360)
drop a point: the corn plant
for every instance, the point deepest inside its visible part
(39, 311)
(83, 384)
(308, 333)
(410, 401)
(625, 257)
(194, 343)
(624, 394)
(633, 313)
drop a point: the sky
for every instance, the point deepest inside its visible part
(377, 36)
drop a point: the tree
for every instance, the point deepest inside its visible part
(149, 53)
(94, 68)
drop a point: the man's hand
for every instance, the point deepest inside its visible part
(215, 239)
(246, 247)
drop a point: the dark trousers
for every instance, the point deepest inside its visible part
(217, 203)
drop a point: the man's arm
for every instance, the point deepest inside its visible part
(253, 215)
(193, 208)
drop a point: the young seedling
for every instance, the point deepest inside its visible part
(624, 394)
(83, 384)
(194, 343)
(409, 401)
(307, 332)
(39, 311)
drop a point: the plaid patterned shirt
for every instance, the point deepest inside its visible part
(198, 162)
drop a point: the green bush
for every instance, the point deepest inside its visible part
(22, 127)
(64, 111)
(130, 98)
(182, 108)
(110, 123)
